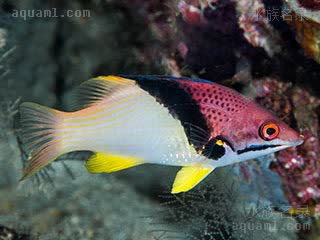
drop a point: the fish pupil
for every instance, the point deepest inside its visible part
(270, 131)
(213, 150)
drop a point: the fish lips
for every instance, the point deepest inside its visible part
(286, 144)
(289, 144)
(275, 146)
(297, 142)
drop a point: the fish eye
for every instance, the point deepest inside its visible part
(269, 131)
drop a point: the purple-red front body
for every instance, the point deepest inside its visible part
(234, 116)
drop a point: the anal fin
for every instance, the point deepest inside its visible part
(188, 177)
(105, 162)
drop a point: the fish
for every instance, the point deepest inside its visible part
(126, 121)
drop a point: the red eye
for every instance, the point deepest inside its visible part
(269, 131)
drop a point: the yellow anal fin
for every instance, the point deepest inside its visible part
(105, 162)
(188, 177)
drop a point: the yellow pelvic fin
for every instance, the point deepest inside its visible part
(105, 162)
(188, 177)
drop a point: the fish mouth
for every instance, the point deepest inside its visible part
(297, 143)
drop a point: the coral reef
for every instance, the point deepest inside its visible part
(304, 17)
(188, 31)
(257, 29)
(246, 45)
(298, 167)
(198, 32)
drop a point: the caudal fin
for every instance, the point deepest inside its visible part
(39, 136)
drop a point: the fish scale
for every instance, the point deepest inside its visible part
(218, 103)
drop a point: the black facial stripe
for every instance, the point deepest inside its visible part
(256, 148)
(180, 105)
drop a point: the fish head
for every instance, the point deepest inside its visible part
(255, 132)
(246, 129)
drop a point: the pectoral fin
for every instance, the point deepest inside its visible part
(105, 162)
(188, 177)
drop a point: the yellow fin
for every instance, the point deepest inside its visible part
(105, 162)
(115, 79)
(97, 89)
(188, 177)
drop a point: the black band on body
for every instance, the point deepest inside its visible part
(180, 105)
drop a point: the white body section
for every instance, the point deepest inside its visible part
(232, 157)
(131, 123)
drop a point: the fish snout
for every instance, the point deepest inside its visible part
(300, 140)
(297, 139)
(290, 136)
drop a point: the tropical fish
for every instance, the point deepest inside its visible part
(132, 120)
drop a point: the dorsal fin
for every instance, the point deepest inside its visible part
(97, 89)
(164, 77)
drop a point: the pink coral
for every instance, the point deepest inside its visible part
(273, 94)
(257, 30)
(191, 14)
(299, 170)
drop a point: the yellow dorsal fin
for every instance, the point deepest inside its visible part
(97, 89)
(188, 177)
(105, 162)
